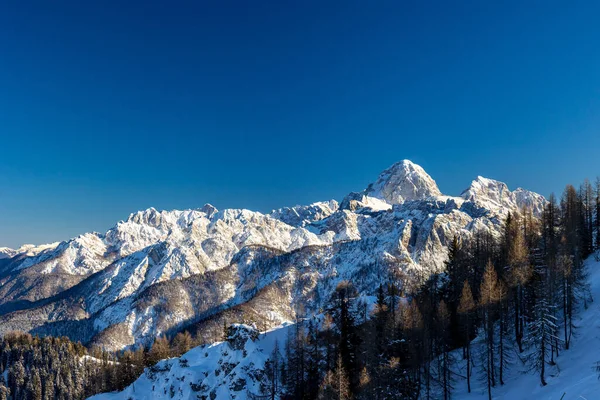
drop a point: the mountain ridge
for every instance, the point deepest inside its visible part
(401, 222)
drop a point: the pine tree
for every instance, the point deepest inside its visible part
(466, 309)
(272, 373)
(597, 224)
(349, 339)
(586, 196)
(329, 342)
(36, 386)
(456, 271)
(16, 377)
(543, 327)
(412, 322)
(443, 349)
(49, 387)
(313, 355)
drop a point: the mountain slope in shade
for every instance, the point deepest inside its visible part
(161, 271)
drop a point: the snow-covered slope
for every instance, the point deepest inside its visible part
(159, 271)
(402, 182)
(6, 252)
(575, 373)
(495, 196)
(218, 371)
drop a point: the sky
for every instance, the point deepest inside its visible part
(111, 107)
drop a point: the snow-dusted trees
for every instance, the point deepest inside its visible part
(55, 368)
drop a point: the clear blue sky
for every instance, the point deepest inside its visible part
(116, 106)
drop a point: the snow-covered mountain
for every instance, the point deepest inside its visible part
(160, 271)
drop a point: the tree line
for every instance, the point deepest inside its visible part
(52, 368)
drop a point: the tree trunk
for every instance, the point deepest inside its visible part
(468, 366)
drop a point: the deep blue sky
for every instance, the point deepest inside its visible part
(112, 107)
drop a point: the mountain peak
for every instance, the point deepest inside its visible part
(495, 195)
(403, 181)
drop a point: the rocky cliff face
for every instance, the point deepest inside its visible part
(160, 271)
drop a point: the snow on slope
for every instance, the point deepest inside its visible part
(218, 371)
(574, 375)
(402, 182)
(495, 196)
(6, 252)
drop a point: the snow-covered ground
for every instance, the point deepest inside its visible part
(574, 375)
(218, 371)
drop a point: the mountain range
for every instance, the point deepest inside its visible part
(159, 272)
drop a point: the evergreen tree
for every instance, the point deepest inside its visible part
(597, 219)
(313, 362)
(543, 327)
(272, 373)
(519, 273)
(349, 340)
(36, 386)
(444, 357)
(466, 309)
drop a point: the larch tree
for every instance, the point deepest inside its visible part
(490, 294)
(466, 308)
(519, 273)
(444, 358)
